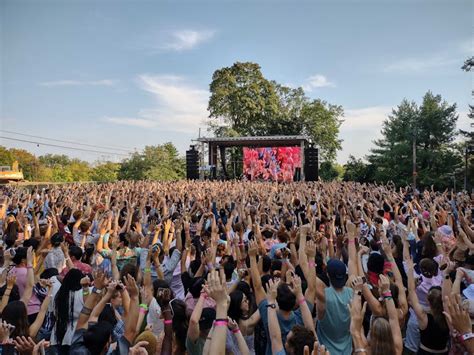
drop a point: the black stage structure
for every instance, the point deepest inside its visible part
(195, 158)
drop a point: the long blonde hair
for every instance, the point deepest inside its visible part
(381, 340)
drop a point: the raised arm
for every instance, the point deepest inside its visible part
(305, 312)
(241, 343)
(193, 329)
(217, 291)
(310, 293)
(30, 277)
(413, 298)
(351, 235)
(384, 284)
(132, 317)
(256, 280)
(273, 323)
(90, 302)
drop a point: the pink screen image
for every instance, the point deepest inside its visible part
(274, 164)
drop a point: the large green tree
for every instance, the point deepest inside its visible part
(247, 103)
(6, 157)
(161, 162)
(28, 163)
(105, 172)
(433, 127)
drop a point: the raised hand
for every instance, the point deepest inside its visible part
(310, 249)
(272, 288)
(29, 256)
(384, 283)
(217, 289)
(318, 349)
(100, 280)
(131, 286)
(357, 283)
(456, 315)
(253, 248)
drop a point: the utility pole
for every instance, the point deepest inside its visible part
(414, 162)
(465, 168)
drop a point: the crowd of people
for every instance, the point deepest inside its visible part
(236, 268)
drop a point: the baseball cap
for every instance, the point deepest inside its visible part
(337, 273)
(208, 316)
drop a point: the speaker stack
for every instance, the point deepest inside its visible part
(192, 164)
(311, 167)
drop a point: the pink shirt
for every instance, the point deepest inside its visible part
(34, 304)
(191, 302)
(85, 268)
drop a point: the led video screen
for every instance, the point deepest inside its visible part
(271, 163)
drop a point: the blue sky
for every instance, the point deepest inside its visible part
(133, 73)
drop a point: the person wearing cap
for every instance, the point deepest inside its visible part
(200, 324)
(333, 315)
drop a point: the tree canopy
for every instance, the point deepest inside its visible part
(433, 126)
(248, 104)
(161, 162)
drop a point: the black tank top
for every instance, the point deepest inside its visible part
(434, 337)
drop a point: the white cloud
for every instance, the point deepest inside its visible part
(454, 57)
(317, 81)
(103, 82)
(417, 65)
(128, 121)
(359, 129)
(179, 106)
(181, 40)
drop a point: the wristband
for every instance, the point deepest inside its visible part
(168, 321)
(220, 323)
(29, 267)
(236, 330)
(351, 241)
(147, 269)
(143, 311)
(144, 306)
(466, 336)
(387, 294)
(312, 264)
(360, 350)
(439, 244)
(388, 298)
(86, 311)
(302, 300)
(86, 293)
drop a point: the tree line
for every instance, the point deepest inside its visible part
(244, 103)
(160, 162)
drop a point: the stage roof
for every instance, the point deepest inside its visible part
(262, 141)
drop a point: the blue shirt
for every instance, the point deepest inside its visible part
(333, 329)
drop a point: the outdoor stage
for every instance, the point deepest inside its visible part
(273, 158)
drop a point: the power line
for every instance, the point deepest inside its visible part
(62, 146)
(62, 141)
